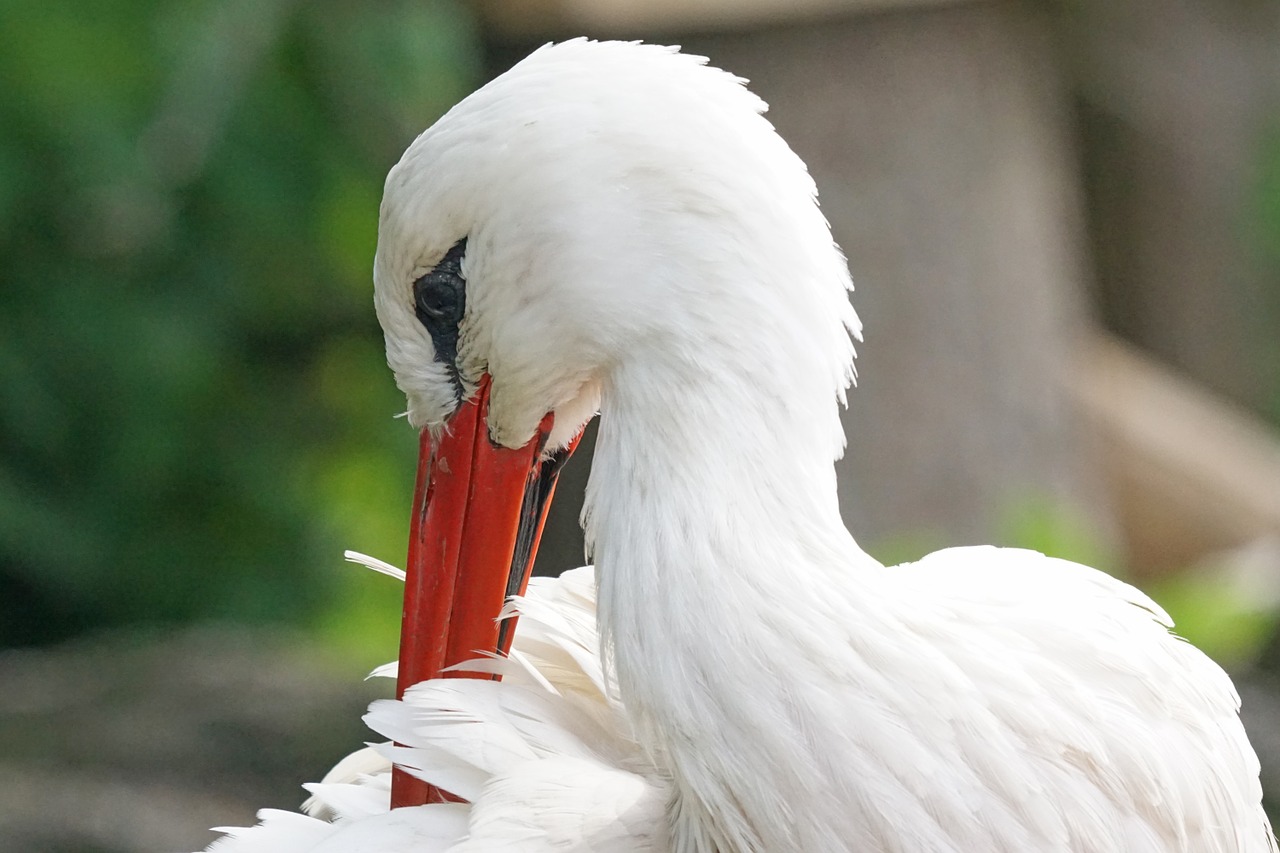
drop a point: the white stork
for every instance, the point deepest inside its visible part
(616, 228)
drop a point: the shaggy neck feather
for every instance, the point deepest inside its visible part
(711, 508)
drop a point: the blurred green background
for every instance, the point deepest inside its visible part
(195, 414)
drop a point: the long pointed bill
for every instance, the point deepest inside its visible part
(478, 513)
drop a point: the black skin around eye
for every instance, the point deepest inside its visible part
(440, 300)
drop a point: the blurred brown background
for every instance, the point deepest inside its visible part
(1063, 220)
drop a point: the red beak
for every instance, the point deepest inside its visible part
(478, 512)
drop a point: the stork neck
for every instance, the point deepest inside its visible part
(721, 561)
(709, 489)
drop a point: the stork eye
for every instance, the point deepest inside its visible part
(439, 297)
(440, 300)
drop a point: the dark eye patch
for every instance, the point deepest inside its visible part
(440, 301)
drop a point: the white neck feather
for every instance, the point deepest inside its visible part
(713, 520)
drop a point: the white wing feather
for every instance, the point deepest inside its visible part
(542, 756)
(1072, 717)
(1127, 734)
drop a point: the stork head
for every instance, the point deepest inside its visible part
(598, 203)
(569, 211)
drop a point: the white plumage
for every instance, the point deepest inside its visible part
(640, 241)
